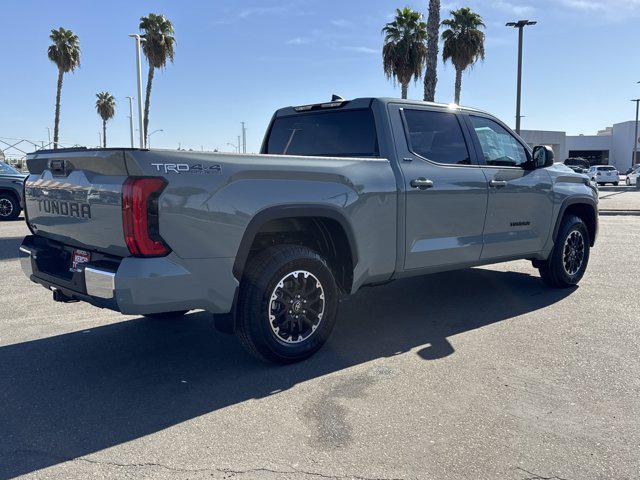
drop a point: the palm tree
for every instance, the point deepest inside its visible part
(106, 108)
(158, 47)
(431, 74)
(404, 51)
(463, 42)
(65, 53)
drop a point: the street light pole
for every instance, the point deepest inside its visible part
(139, 77)
(634, 160)
(131, 119)
(244, 138)
(149, 136)
(520, 24)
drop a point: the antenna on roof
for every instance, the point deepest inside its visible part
(336, 98)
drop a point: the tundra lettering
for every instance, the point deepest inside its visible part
(65, 209)
(343, 194)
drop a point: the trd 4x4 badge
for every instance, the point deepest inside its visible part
(198, 168)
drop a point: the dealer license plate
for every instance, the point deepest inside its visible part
(79, 258)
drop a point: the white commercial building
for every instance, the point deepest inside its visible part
(611, 146)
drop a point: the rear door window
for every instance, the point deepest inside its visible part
(347, 133)
(437, 136)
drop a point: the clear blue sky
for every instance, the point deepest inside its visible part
(242, 59)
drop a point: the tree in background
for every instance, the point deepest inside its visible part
(463, 42)
(404, 51)
(158, 47)
(433, 33)
(106, 108)
(65, 53)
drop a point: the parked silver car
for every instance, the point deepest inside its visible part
(603, 174)
(632, 176)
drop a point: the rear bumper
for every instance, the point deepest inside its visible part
(135, 285)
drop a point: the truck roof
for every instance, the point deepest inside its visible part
(366, 102)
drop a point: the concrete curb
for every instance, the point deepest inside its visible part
(619, 212)
(620, 188)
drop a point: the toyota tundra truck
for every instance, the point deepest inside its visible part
(343, 194)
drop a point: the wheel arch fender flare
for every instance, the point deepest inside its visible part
(289, 211)
(583, 200)
(10, 191)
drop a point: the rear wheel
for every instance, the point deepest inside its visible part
(570, 255)
(9, 207)
(287, 304)
(166, 315)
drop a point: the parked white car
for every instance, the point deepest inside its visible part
(632, 176)
(603, 174)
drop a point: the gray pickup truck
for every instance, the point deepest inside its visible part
(343, 194)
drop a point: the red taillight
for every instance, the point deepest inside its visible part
(140, 216)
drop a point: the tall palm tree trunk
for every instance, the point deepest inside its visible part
(146, 104)
(431, 74)
(56, 120)
(458, 85)
(405, 87)
(104, 133)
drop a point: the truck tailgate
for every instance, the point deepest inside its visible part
(75, 197)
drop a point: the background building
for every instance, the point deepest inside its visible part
(610, 146)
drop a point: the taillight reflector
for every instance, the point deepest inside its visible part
(140, 216)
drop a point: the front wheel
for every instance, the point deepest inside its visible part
(9, 207)
(615, 184)
(287, 304)
(628, 182)
(570, 255)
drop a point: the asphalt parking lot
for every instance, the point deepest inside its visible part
(478, 374)
(621, 200)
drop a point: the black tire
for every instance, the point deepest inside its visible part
(616, 183)
(166, 315)
(566, 265)
(268, 286)
(9, 207)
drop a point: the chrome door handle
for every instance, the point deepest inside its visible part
(498, 183)
(421, 183)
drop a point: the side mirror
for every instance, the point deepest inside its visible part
(542, 156)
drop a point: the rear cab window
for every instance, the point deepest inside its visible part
(436, 136)
(335, 133)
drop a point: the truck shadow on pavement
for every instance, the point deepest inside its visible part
(9, 247)
(70, 395)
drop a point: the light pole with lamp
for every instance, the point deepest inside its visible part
(634, 160)
(131, 119)
(149, 136)
(139, 77)
(520, 24)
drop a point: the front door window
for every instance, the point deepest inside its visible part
(499, 147)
